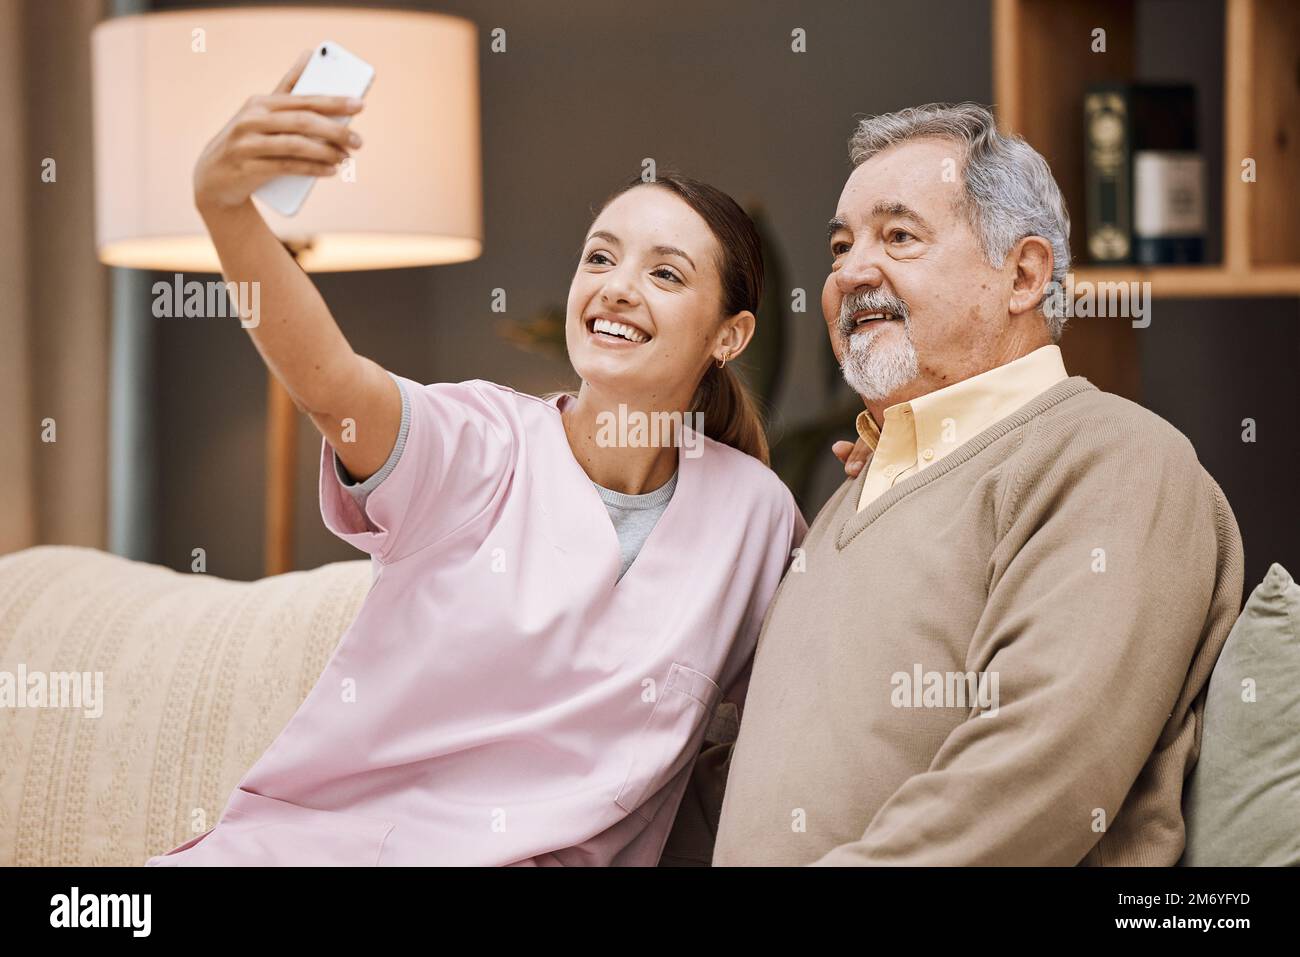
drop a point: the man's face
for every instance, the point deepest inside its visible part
(900, 245)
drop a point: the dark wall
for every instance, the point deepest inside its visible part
(585, 91)
(1206, 366)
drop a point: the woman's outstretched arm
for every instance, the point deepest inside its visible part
(297, 337)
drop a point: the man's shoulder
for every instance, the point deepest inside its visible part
(1094, 421)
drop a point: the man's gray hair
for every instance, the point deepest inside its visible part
(1010, 190)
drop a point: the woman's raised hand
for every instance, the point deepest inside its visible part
(274, 135)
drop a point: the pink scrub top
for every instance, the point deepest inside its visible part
(502, 697)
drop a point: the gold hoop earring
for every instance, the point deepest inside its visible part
(723, 361)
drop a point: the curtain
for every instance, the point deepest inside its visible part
(54, 293)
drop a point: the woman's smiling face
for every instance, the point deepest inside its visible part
(645, 305)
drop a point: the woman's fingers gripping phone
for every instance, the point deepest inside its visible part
(274, 134)
(289, 79)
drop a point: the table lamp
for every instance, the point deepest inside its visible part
(166, 83)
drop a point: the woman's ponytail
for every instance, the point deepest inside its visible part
(729, 414)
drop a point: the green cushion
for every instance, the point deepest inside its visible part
(1242, 805)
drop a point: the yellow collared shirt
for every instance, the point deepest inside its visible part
(919, 433)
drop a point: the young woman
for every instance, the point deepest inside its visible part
(559, 603)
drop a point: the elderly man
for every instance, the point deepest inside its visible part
(993, 645)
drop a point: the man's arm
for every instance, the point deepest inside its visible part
(1098, 596)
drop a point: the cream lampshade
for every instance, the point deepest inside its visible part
(417, 199)
(166, 83)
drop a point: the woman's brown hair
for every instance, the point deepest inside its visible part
(728, 412)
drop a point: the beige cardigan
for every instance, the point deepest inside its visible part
(1074, 557)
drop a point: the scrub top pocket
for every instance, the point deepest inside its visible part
(665, 744)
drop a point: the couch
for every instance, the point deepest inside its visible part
(199, 674)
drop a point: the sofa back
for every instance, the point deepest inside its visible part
(196, 676)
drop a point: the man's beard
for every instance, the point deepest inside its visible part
(873, 369)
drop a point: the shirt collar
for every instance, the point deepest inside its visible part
(868, 431)
(973, 404)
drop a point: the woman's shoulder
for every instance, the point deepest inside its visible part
(475, 413)
(482, 393)
(738, 474)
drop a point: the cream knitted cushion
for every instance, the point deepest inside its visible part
(199, 674)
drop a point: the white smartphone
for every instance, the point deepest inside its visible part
(331, 71)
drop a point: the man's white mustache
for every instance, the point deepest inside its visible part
(849, 307)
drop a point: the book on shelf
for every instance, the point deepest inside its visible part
(1144, 176)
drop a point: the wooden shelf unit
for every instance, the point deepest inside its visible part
(1211, 281)
(1042, 63)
